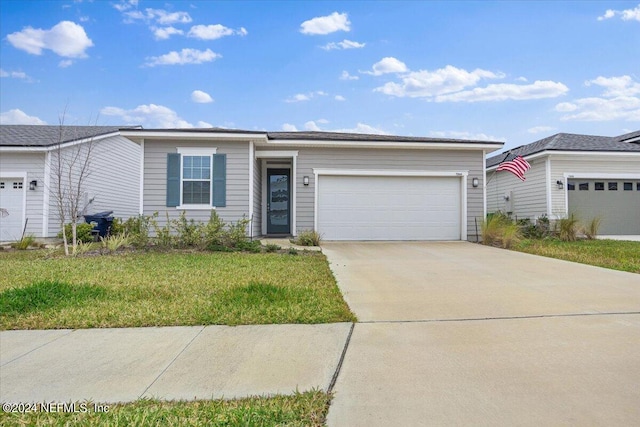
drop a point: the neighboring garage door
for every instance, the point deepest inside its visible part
(615, 201)
(389, 208)
(11, 208)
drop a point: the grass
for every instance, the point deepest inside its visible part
(38, 291)
(301, 409)
(614, 254)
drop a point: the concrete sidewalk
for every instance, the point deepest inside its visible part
(182, 363)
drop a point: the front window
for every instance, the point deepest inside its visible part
(196, 180)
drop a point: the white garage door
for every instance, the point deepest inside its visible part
(11, 208)
(389, 208)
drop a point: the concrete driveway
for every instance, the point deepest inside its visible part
(462, 334)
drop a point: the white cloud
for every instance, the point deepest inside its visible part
(344, 44)
(159, 16)
(300, 97)
(150, 116)
(505, 91)
(201, 97)
(625, 15)
(540, 129)
(339, 98)
(522, 79)
(202, 124)
(288, 127)
(125, 5)
(19, 117)
(616, 86)
(425, 84)
(617, 101)
(15, 74)
(346, 76)
(163, 33)
(464, 135)
(65, 63)
(185, 56)
(312, 126)
(67, 39)
(363, 128)
(213, 32)
(387, 65)
(326, 24)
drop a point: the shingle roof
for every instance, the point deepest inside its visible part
(43, 136)
(328, 136)
(574, 142)
(343, 136)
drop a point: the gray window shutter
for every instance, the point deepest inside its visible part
(173, 179)
(220, 180)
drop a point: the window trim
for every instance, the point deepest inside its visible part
(191, 152)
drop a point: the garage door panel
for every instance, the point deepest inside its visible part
(618, 209)
(389, 208)
(11, 202)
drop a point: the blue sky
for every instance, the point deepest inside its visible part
(508, 71)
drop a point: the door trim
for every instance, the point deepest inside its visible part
(285, 169)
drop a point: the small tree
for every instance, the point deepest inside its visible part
(70, 169)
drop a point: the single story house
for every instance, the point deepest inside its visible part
(345, 186)
(589, 176)
(29, 170)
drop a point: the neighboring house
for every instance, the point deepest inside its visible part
(345, 186)
(589, 176)
(28, 160)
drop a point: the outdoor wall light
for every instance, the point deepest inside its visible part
(560, 184)
(305, 180)
(475, 182)
(33, 184)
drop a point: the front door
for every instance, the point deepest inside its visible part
(278, 201)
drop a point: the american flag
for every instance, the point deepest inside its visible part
(517, 165)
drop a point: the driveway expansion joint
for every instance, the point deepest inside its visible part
(37, 348)
(342, 356)
(172, 361)
(473, 319)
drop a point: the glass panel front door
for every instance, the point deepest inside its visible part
(278, 201)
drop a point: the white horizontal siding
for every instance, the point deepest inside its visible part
(112, 181)
(529, 196)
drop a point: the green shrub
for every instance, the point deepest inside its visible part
(189, 233)
(117, 227)
(592, 227)
(292, 251)
(539, 230)
(250, 246)
(214, 230)
(567, 228)
(137, 228)
(270, 247)
(83, 232)
(308, 238)
(237, 233)
(114, 242)
(24, 243)
(499, 230)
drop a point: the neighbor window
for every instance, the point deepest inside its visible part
(613, 186)
(628, 186)
(583, 186)
(599, 186)
(196, 180)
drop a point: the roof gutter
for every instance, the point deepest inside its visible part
(488, 146)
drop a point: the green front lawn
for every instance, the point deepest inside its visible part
(166, 289)
(614, 254)
(302, 409)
